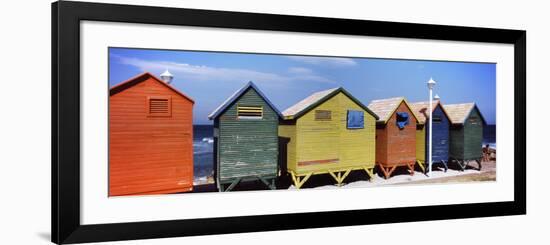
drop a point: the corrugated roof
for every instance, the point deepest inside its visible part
(312, 101)
(458, 113)
(421, 110)
(250, 85)
(384, 108)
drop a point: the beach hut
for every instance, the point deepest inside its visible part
(440, 133)
(395, 134)
(330, 132)
(466, 133)
(245, 139)
(150, 137)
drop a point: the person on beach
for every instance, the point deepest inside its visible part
(486, 153)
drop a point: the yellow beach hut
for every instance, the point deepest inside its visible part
(329, 132)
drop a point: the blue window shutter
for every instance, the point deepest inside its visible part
(402, 119)
(356, 119)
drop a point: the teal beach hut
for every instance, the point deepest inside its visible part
(245, 139)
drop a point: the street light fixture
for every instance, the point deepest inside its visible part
(167, 77)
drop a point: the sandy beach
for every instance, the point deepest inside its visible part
(358, 179)
(402, 177)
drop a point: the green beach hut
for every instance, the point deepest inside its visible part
(245, 139)
(466, 133)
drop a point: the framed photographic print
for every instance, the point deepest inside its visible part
(177, 122)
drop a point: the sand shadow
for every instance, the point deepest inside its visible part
(470, 165)
(327, 180)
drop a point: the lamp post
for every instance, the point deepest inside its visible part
(431, 85)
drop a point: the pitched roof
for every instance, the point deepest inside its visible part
(385, 108)
(307, 102)
(229, 101)
(458, 113)
(312, 101)
(140, 78)
(421, 110)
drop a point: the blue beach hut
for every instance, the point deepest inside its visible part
(440, 133)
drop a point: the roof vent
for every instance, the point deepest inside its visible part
(436, 97)
(167, 77)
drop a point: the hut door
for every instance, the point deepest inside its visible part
(283, 142)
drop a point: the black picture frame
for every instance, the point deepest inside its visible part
(66, 18)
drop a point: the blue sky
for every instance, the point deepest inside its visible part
(210, 77)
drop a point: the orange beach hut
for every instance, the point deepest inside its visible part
(150, 137)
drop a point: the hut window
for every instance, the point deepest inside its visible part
(159, 106)
(473, 120)
(356, 119)
(402, 119)
(250, 112)
(323, 115)
(437, 119)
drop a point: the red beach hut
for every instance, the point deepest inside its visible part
(150, 137)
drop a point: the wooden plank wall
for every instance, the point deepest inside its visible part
(247, 147)
(440, 137)
(421, 139)
(381, 144)
(318, 140)
(456, 146)
(397, 147)
(473, 136)
(357, 146)
(149, 154)
(289, 131)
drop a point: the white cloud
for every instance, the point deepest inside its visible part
(200, 72)
(324, 61)
(300, 70)
(311, 77)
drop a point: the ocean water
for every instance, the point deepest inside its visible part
(490, 136)
(203, 150)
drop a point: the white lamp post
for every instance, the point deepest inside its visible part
(166, 77)
(431, 85)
